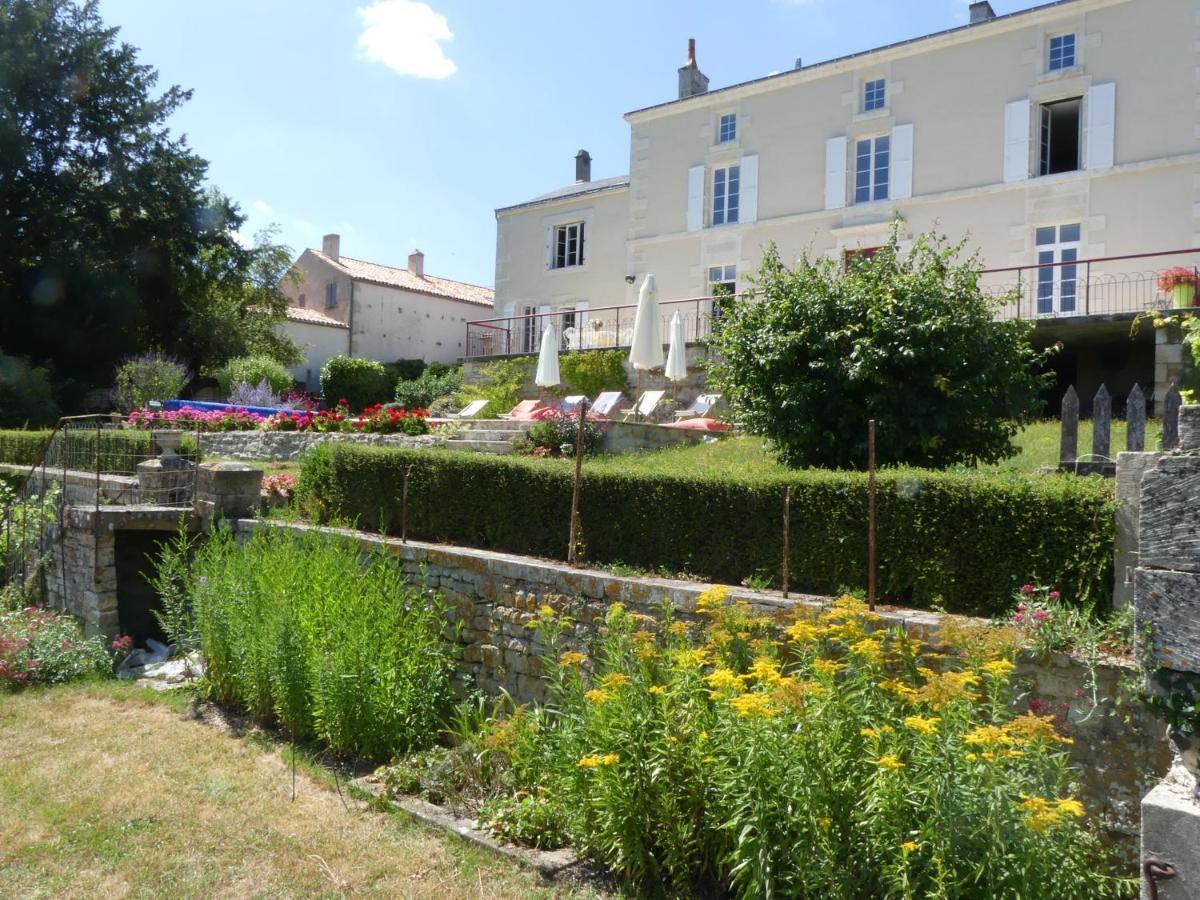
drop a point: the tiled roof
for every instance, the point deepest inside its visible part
(389, 276)
(578, 189)
(312, 317)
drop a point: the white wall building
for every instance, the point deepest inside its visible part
(342, 305)
(1052, 139)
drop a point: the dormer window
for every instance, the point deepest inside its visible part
(874, 94)
(1062, 52)
(727, 128)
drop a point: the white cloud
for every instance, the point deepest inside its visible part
(406, 36)
(303, 224)
(263, 207)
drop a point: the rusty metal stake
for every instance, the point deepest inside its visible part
(871, 515)
(404, 508)
(1155, 871)
(787, 536)
(573, 536)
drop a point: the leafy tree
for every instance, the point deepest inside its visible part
(110, 243)
(26, 398)
(905, 338)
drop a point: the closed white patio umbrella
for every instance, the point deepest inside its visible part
(646, 351)
(547, 367)
(676, 369)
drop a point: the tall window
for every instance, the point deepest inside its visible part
(872, 157)
(1057, 275)
(1059, 137)
(300, 301)
(725, 195)
(874, 95)
(568, 245)
(728, 128)
(331, 295)
(1062, 52)
(722, 277)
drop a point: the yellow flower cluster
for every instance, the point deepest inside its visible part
(869, 649)
(754, 706)
(766, 671)
(571, 658)
(826, 667)
(889, 762)
(595, 760)
(597, 697)
(794, 694)
(657, 690)
(615, 680)
(1031, 727)
(1042, 813)
(691, 659)
(898, 689)
(876, 732)
(922, 724)
(803, 633)
(941, 688)
(712, 600)
(723, 679)
(909, 847)
(998, 668)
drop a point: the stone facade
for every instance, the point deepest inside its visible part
(493, 597)
(283, 446)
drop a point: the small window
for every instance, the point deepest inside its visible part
(1057, 272)
(300, 301)
(1059, 137)
(728, 129)
(726, 186)
(568, 246)
(331, 295)
(722, 278)
(1062, 52)
(871, 166)
(874, 95)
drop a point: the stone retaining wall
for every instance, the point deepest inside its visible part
(283, 446)
(1120, 750)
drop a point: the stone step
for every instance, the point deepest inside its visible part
(495, 425)
(478, 445)
(488, 434)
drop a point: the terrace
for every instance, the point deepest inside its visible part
(1061, 288)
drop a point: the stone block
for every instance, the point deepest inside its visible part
(233, 488)
(1131, 468)
(1171, 834)
(1169, 518)
(1167, 617)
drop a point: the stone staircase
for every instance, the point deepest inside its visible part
(487, 435)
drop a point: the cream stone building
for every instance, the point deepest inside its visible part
(346, 306)
(1053, 140)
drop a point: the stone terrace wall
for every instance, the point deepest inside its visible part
(283, 446)
(1120, 750)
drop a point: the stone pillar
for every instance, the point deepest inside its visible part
(1130, 469)
(1166, 596)
(228, 490)
(1169, 363)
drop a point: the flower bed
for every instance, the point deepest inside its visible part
(376, 419)
(726, 756)
(39, 647)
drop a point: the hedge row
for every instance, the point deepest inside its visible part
(120, 450)
(963, 542)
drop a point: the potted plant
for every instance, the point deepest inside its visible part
(1180, 283)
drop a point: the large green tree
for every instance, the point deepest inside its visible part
(110, 241)
(907, 339)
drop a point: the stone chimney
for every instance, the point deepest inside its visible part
(331, 246)
(691, 80)
(982, 12)
(799, 63)
(416, 263)
(583, 166)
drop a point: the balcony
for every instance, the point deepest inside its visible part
(1113, 287)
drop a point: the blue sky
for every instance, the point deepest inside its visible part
(401, 124)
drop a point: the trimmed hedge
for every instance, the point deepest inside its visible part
(120, 450)
(959, 541)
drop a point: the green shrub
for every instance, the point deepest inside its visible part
(38, 647)
(151, 376)
(729, 759)
(360, 382)
(300, 630)
(593, 371)
(965, 540)
(503, 382)
(26, 395)
(120, 449)
(405, 369)
(431, 385)
(252, 371)
(559, 429)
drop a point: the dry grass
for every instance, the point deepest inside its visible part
(105, 791)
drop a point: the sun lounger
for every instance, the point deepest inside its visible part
(646, 405)
(523, 411)
(607, 403)
(571, 404)
(471, 410)
(701, 408)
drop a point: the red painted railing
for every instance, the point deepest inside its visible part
(1102, 286)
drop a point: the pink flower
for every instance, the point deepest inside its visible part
(1055, 595)
(1040, 615)
(1027, 589)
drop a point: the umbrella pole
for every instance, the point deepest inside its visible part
(637, 409)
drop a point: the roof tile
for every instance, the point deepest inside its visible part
(390, 276)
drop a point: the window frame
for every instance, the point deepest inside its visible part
(729, 119)
(568, 251)
(1062, 64)
(873, 169)
(1057, 276)
(726, 195)
(1045, 135)
(725, 270)
(874, 94)
(331, 295)
(301, 301)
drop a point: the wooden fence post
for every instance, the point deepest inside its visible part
(573, 536)
(787, 536)
(1135, 420)
(1068, 444)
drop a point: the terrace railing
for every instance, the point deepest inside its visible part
(1101, 286)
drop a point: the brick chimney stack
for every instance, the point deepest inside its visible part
(331, 246)
(583, 166)
(416, 263)
(691, 80)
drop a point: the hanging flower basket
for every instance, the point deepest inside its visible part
(1180, 283)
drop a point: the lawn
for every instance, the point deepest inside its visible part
(109, 790)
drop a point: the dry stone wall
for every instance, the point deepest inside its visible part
(284, 446)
